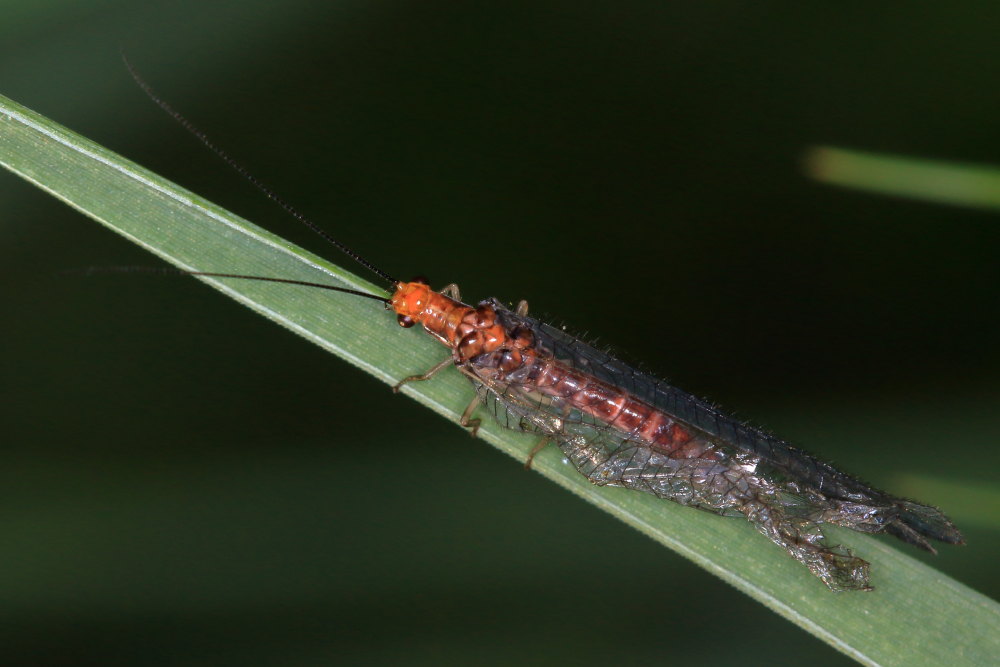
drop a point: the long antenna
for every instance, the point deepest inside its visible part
(241, 170)
(172, 271)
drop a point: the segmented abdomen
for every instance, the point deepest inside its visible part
(611, 405)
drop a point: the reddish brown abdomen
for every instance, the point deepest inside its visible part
(609, 404)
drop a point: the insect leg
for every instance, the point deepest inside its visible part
(425, 376)
(451, 290)
(522, 308)
(566, 410)
(466, 421)
(539, 446)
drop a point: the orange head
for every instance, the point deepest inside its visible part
(409, 301)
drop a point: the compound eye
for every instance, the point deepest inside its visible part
(406, 321)
(421, 279)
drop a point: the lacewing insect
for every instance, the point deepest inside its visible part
(621, 427)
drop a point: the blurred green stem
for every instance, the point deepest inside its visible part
(912, 178)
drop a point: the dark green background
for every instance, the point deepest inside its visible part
(185, 483)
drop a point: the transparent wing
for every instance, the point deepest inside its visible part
(729, 487)
(824, 491)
